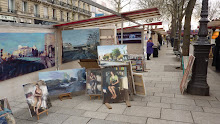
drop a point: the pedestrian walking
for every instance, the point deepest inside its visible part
(150, 50)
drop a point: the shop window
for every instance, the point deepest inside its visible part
(24, 6)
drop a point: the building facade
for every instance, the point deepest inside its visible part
(44, 12)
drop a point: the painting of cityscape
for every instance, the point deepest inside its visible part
(37, 97)
(94, 82)
(115, 84)
(22, 53)
(112, 55)
(80, 44)
(64, 81)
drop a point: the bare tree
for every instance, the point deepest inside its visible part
(120, 4)
(187, 27)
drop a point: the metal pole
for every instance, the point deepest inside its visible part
(198, 84)
(122, 33)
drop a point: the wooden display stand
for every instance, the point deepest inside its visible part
(45, 111)
(94, 96)
(65, 95)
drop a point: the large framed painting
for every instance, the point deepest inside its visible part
(115, 83)
(64, 81)
(37, 97)
(22, 53)
(130, 37)
(94, 82)
(6, 112)
(80, 44)
(112, 55)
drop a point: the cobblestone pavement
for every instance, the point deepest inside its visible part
(163, 103)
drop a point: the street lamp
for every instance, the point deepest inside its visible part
(198, 84)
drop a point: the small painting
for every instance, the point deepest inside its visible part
(23, 53)
(6, 112)
(64, 81)
(80, 44)
(115, 82)
(94, 82)
(112, 55)
(37, 97)
(3, 120)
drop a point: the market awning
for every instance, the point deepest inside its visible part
(214, 24)
(160, 30)
(153, 23)
(112, 19)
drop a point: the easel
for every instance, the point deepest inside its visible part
(94, 96)
(65, 95)
(42, 113)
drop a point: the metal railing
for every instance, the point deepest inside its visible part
(47, 17)
(12, 11)
(54, 18)
(37, 15)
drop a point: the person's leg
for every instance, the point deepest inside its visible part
(109, 88)
(148, 56)
(39, 105)
(113, 90)
(35, 103)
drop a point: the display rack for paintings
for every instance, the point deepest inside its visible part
(65, 96)
(89, 63)
(139, 84)
(38, 115)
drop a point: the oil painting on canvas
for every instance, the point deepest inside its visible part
(80, 44)
(94, 82)
(64, 81)
(112, 55)
(22, 53)
(6, 112)
(37, 97)
(115, 82)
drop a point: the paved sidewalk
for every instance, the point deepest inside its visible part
(163, 104)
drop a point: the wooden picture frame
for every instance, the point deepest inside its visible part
(139, 84)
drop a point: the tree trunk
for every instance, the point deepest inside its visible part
(187, 27)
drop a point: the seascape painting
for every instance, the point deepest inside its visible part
(37, 97)
(112, 55)
(94, 82)
(115, 84)
(64, 81)
(80, 44)
(23, 53)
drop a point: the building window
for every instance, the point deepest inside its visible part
(79, 4)
(24, 6)
(36, 10)
(11, 5)
(61, 15)
(84, 5)
(67, 16)
(46, 12)
(54, 14)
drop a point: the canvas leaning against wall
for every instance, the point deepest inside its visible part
(112, 55)
(80, 44)
(64, 81)
(37, 97)
(115, 82)
(23, 53)
(94, 82)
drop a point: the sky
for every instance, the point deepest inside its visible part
(53, 75)
(77, 37)
(102, 50)
(10, 41)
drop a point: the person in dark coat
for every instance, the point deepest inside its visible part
(150, 50)
(172, 41)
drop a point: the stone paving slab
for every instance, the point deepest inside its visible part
(178, 101)
(187, 107)
(99, 121)
(53, 118)
(211, 110)
(202, 103)
(70, 111)
(97, 115)
(176, 115)
(164, 94)
(206, 118)
(143, 111)
(87, 105)
(159, 105)
(116, 108)
(215, 104)
(128, 119)
(76, 120)
(151, 99)
(160, 121)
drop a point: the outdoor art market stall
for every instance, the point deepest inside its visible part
(85, 58)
